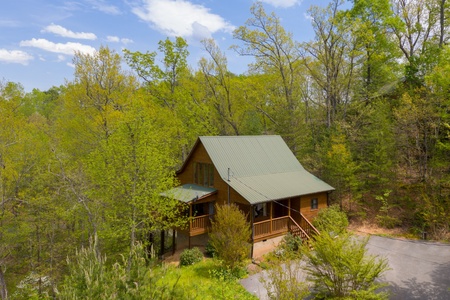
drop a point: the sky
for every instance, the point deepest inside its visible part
(38, 37)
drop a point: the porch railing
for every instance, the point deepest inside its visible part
(267, 228)
(307, 226)
(200, 224)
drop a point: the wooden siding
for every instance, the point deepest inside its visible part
(199, 155)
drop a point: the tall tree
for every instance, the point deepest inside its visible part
(378, 52)
(331, 59)
(277, 56)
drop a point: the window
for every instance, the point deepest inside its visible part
(260, 210)
(204, 174)
(314, 203)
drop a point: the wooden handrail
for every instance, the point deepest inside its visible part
(311, 225)
(300, 228)
(268, 220)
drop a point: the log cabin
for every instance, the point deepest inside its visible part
(261, 176)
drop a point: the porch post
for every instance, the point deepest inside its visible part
(190, 218)
(253, 230)
(271, 216)
(190, 224)
(289, 209)
(173, 241)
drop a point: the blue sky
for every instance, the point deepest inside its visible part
(38, 37)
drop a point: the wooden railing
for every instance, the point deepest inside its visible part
(199, 224)
(270, 227)
(307, 226)
(267, 228)
(296, 230)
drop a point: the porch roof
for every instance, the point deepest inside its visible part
(269, 187)
(189, 192)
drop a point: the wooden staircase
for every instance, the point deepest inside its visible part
(305, 230)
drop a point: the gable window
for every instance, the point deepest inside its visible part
(204, 174)
(314, 203)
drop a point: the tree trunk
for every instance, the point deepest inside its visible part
(3, 290)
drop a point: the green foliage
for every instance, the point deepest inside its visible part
(91, 277)
(190, 256)
(283, 282)
(384, 218)
(331, 219)
(209, 249)
(340, 267)
(289, 247)
(230, 234)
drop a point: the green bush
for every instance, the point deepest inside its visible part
(230, 235)
(190, 256)
(289, 247)
(283, 282)
(331, 219)
(340, 267)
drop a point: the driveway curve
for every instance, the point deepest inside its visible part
(419, 269)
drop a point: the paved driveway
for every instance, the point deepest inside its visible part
(419, 269)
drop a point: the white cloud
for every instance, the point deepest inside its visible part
(104, 7)
(61, 58)
(70, 65)
(181, 18)
(282, 3)
(67, 48)
(116, 39)
(113, 39)
(15, 56)
(61, 31)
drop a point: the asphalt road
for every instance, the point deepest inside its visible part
(419, 269)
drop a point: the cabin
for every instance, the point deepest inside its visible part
(261, 176)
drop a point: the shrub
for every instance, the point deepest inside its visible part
(340, 267)
(230, 235)
(289, 247)
(283, 282)
(331, 219)
(190, 256)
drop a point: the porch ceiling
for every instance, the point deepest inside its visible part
(189, 192)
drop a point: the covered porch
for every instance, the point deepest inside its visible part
(199, 209)
(276, 218)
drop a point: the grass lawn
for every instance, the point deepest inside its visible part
(202, 281)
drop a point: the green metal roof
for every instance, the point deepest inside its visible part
(189, 192)
(261, 168)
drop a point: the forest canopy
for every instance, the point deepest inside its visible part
(365, 106)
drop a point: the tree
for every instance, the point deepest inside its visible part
(171, 85)
(223, 91)
(130, 172)
(277, 57)
(377, 52)
(339, 267)
(331, 59)
(230, 235)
